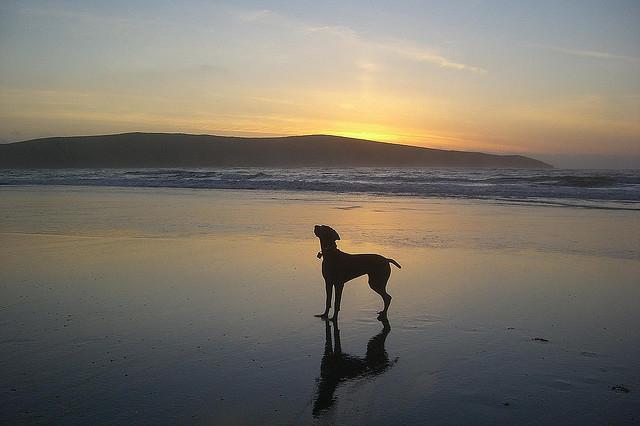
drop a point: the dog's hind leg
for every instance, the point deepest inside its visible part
(379, 285)
(386, 298)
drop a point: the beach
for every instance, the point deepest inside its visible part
(176, 305)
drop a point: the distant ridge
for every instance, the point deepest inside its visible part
(138, 150)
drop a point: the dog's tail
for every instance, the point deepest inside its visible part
(394, 262)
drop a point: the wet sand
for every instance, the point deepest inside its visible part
(125, 306)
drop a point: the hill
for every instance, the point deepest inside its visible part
(134, 150)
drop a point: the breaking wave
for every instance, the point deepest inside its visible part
(618, 189)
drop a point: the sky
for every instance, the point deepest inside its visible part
(557, 80)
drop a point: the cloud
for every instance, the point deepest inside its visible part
(587, 53)
(420, 54)
(403, 48)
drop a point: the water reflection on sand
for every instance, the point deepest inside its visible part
(176, 306)
(338, 367)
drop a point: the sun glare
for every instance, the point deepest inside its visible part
(373, 136)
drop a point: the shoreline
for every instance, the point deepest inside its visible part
(612, 189)
(598, 204)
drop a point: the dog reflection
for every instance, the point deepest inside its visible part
(337, 367)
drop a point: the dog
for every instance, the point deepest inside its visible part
(339, 267)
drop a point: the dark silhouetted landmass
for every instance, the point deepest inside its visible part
(132, 150)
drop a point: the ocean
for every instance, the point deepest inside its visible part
(611, 189)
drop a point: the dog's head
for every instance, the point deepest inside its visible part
(326, 234)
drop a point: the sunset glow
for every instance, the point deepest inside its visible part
(542, 78)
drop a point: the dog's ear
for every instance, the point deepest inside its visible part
(335, 234)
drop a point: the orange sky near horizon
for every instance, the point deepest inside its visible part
(487, 75)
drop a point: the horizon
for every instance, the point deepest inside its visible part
(555, 82)
(586, 162)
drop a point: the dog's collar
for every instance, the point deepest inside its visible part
(327, 249)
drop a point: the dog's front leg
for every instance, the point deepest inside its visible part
(336, 308)
(329, 290)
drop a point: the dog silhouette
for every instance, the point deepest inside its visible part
(339, 267)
